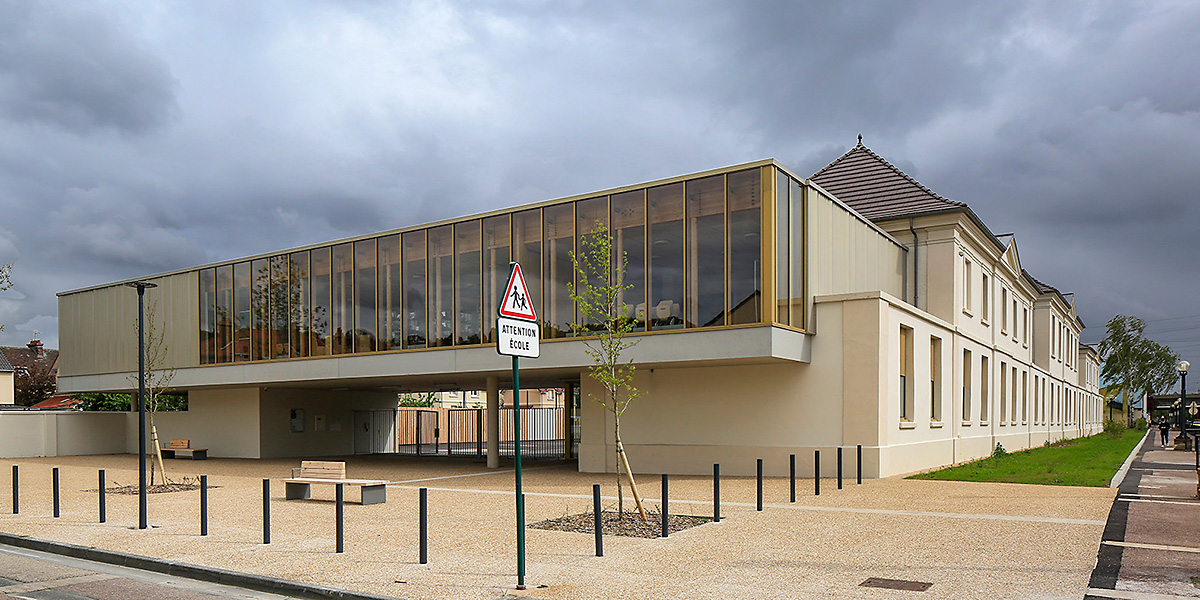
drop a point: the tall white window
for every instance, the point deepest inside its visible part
(1014, 319)
(984, 377)
(1025, 328)
(1024, 397)
(1004, 310)
(968, 299)
(935, 378)
(1013, 416)
(984, 300)
(1003, 398)
(966, 385)
(906, 380)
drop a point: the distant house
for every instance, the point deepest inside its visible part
(31, 359)
(58, 402)
(7, 395)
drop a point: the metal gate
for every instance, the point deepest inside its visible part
(466, 432)
(418, 432)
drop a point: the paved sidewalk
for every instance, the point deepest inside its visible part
(1151, 544)
(970, 540)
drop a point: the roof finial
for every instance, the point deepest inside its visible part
(860, 139)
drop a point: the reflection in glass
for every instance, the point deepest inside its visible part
(560, 241)
(322, 303)
(241, 312)
(745, 250)
(441, 286)
(527, 250)
(225, 314)
(591, 217)
(364, 296)
(706, 251)
(782, 249)
(342, 314)
(664, 214)
(414, 289)
(495, 270)
(468, 309)
(208, 316)
(280, 299)
(260, 301)
(796, 203)
(391, 311)
(629, 244)
(298, 315)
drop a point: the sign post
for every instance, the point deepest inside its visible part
(517, 336)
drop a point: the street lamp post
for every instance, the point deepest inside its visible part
(142, 286)
(1182, 367)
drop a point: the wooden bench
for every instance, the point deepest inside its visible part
(184, 446)
(299, 487)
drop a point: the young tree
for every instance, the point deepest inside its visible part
(33, 384)
(158, 381)
(600, 279)
(1136, 364)
(5, 280)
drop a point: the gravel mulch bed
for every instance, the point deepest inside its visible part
(188, 484)
(611, 523)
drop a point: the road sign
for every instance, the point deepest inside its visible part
(1192, 406)
(516, 303)
(517, 338)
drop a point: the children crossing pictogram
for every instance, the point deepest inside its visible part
(517, 303)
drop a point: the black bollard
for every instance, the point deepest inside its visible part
(204, 505)
(716, 492)
(103, 515)
(858, 471)
(666, 518)
(16, 496)
(817, 472)
(424, 525)
(55, 476)
(266, 511)
(760, 491)
(596, 515)
(792, 475)
(340, 513)
(839, 461)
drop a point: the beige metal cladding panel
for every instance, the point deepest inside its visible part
(849, 255)
(98, 328)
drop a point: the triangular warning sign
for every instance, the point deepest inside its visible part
(517, 304)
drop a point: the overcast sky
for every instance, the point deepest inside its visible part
(141, 137)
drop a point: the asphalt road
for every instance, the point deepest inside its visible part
(32, 575)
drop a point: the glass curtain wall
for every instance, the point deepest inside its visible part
(391, 309)
(415, 321)
(629, 249)
(691, 250)
(496, 255)
(560, 241)
(797, 211)
(591, 217)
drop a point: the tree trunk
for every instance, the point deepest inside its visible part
(157, 450)
(620, 495)
(624, 462)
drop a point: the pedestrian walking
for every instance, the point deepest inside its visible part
(1164, 429)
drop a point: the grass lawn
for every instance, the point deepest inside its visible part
(1090, 461)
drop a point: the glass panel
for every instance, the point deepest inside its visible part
(796, 211)
(629, 243)
(280, 294)
(414, 289)
(224, 314)
(391, 311)
(745, 248)
(591, 216)
(527, 244)
(441, 286)
(208, 316)
(782, 249)
(342, 315)
(560, 241)
(467, 286)
(241, 312)
(260, 299)
(364, 296)
(322, 313)
(495, 271)
(706, 252)
(298, 315)
(665, 217)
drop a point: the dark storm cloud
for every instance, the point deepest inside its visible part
(250, 128)
(76, 70)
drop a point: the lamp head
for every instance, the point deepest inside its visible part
(1183, 367)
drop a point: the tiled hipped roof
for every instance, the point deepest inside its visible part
(877, 189)
(4, 364)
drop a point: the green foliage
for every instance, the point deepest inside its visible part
(100, 401)
(1089, 461)
(999, 451)
(33, 385)
(1114, 427)
(1140, 425)
(418, 400)
(1138, 365)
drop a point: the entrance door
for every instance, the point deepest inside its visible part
(383, 425)
(362, 432)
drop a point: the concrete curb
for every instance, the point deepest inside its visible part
(210, 574)
(1116, 480)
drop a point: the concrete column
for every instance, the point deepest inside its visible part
(568, 412)
(493, 422)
